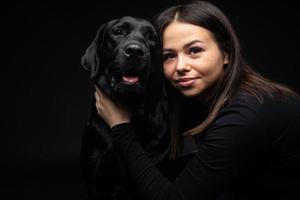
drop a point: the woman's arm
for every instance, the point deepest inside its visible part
(224, 152)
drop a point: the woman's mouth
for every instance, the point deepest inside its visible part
(185, 82)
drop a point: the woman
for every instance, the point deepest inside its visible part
(245, 127)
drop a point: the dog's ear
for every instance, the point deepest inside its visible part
(90, 60)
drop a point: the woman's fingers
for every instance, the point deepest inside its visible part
(97, 107)
(99, 93)
(112, 114)
(98, 100)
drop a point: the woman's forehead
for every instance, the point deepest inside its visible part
(178, 34)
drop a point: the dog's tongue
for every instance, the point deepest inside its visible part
(130, 79)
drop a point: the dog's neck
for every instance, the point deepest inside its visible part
(136, 104)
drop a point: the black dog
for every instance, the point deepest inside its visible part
(124, 61)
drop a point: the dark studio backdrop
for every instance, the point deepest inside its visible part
(45, 93)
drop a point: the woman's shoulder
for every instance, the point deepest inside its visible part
(264, 100)
(268, 109)
(256, 119)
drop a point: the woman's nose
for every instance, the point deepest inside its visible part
(182, 66)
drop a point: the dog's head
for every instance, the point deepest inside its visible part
(124, 59)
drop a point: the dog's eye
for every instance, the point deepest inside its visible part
(118, 32)
(153, 38)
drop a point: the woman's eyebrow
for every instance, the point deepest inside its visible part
(186, 45)
(191, 43)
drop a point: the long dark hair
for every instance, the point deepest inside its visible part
(238, 75)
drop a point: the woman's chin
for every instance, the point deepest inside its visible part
(190, 92)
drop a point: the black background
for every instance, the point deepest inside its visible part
(45, 93)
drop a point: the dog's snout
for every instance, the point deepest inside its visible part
(134, 50)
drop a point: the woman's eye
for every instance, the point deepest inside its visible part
(168, 56)
(195, 50)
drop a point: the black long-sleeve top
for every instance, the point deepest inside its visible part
(250, 151)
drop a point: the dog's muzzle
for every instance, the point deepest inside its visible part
(134, 50)
(130, 67)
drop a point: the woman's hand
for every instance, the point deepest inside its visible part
(111, 113)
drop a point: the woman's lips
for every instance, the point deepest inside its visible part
(185, 82)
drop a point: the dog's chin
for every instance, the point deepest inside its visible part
(128, 85)
(124, 88)
(130, 94)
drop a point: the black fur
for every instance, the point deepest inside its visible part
(124, 50)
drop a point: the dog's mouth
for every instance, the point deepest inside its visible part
(130, 77)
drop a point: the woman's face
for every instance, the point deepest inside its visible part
(193, 61)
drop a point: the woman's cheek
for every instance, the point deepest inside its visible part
(166, 74)
(167, 71)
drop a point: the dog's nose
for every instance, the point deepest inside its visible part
(134, 50)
